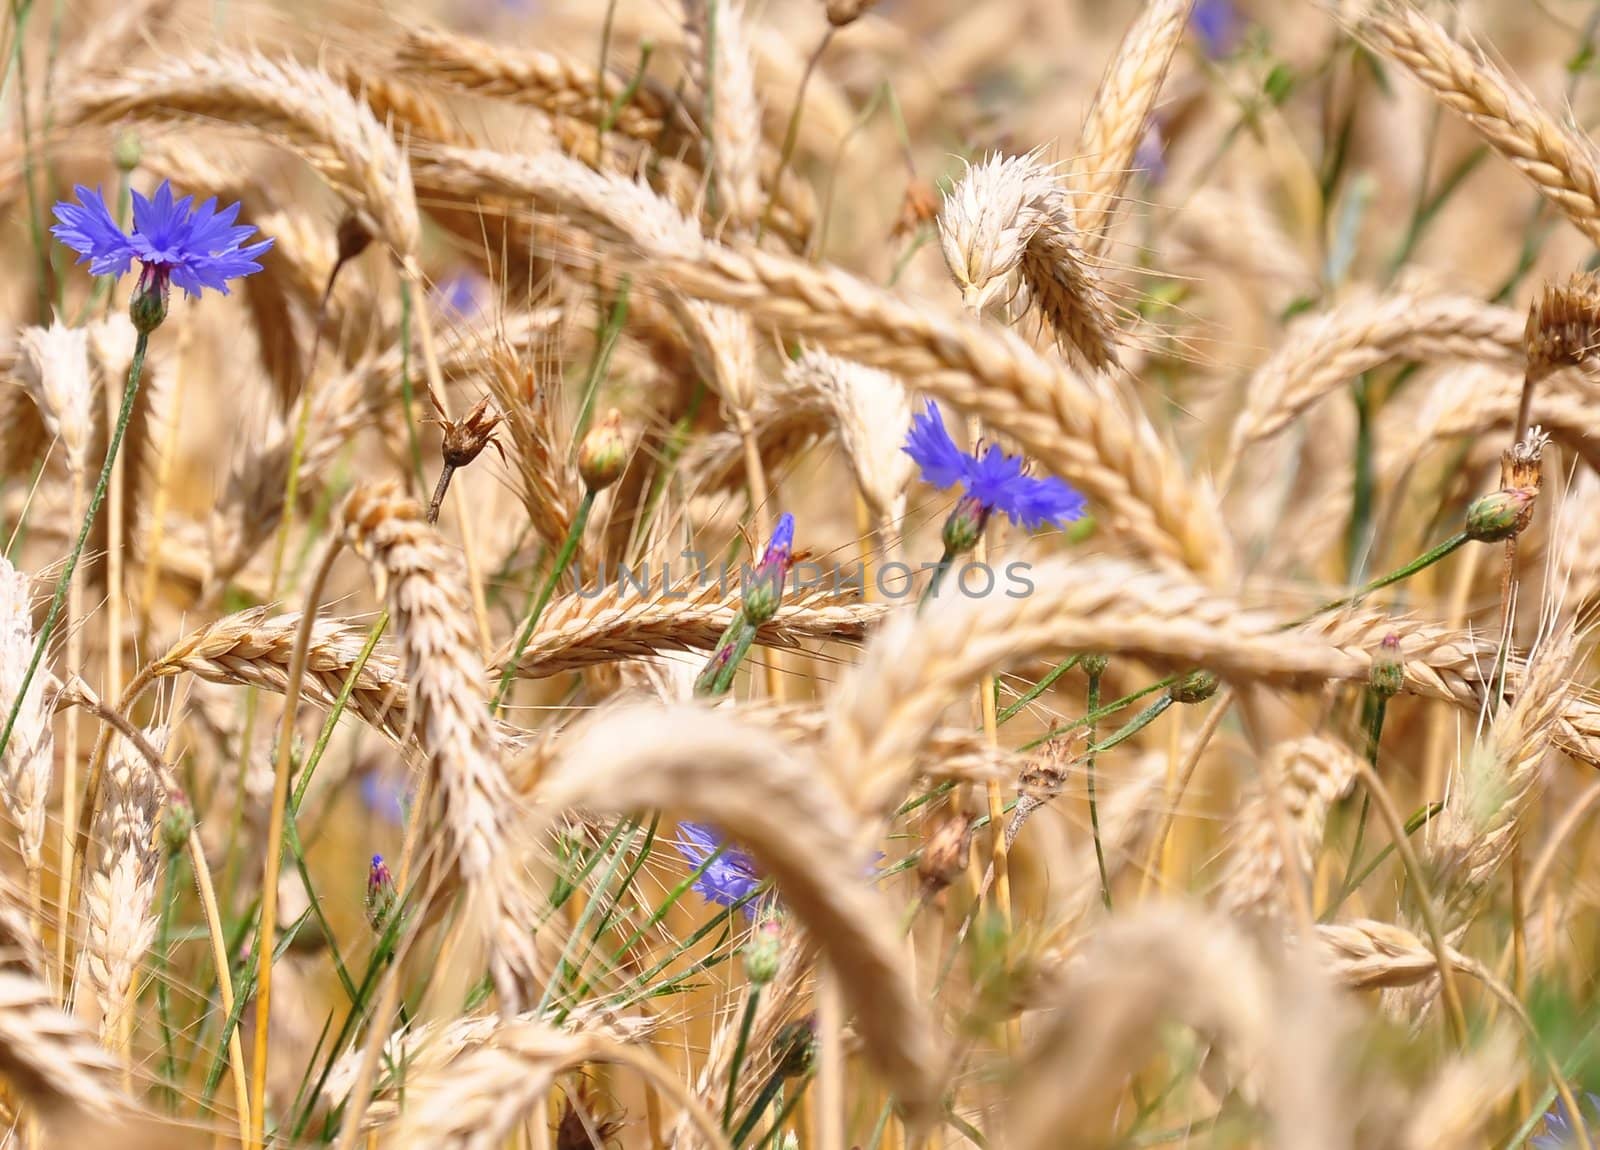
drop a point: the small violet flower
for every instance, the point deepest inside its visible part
(461, 296)
(1151, 156)
(763, 593)
(174, 242)
(1218, 25)
(993, 481)
(729, 878)
(1558, 1127)
(382, 896)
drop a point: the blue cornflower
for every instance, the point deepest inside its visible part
(1558, 1127)
(1217, 23)
(461, 296)
(1151, 155)
(731, 877)
(993, 481)
(385, 793)
(195, 248)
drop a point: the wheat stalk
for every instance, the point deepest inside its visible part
(424, 582)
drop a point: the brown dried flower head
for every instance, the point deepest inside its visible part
(465, 438)
(1563, 325)
(944, 852)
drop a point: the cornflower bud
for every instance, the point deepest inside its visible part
(353, 236)
(604, 453)
(1500, 514)
(382, 896)
(1093, 664)
(1195, 687)
(764, 952)
(176, 823)
(764, 592)
(1388, 671)
(965, 526)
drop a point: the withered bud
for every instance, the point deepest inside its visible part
(353, 235)
(919, 206)
(465, 438)
(1046, 773)
(1500, 514)
(1563, 325)
(1195, 687)
(843, 12)
(604, 453)
(581, 1128)
(1388, 669)
(945, 850)
(1522, 464)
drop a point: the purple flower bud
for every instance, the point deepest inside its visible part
(764, 592)
(382, 897)
(1388, 670)
(965, 526)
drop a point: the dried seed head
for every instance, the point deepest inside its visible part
(353, 235)
(1563, 325)
(581, 1128)
(465, 438)
(1522, 464)
(1500, 514)
(1195, 687)
(604, 453)
(1388, 669)
(945, 850)
(1042, 779)
(845, 12)
(919, 206)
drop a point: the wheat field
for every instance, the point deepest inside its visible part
(749, 574)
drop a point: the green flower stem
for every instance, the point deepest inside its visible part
(129, 393)
(746, 1024)
(706, 679)
(1134, 725)
(741, 647)
(1110, 708)
(932, 590)
(1092, 704)
(1428, 559)
(1038, 689)
(753, 1116)
(569, 547)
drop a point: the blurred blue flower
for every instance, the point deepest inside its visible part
(729, 878)
(1218, 24)
(1558, 1127)
(385, 794)
(195, 248)
(995, 481)
(461, 296)
(1151, 155)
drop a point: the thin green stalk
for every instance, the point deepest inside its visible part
(730, 667)
(1038, 689)
(563, 965)
(1134, 725)
(1364, 482)
(1427, 559)
(129, 393)
(162, 964)
(606, 340)
(1092, 704)
(569, 547)
(746, 1024)
(625, 97)
(791, 134)
(1110, 708)
(1413, 824)
(752, 1117)
(1377, 705)
(931, 591)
